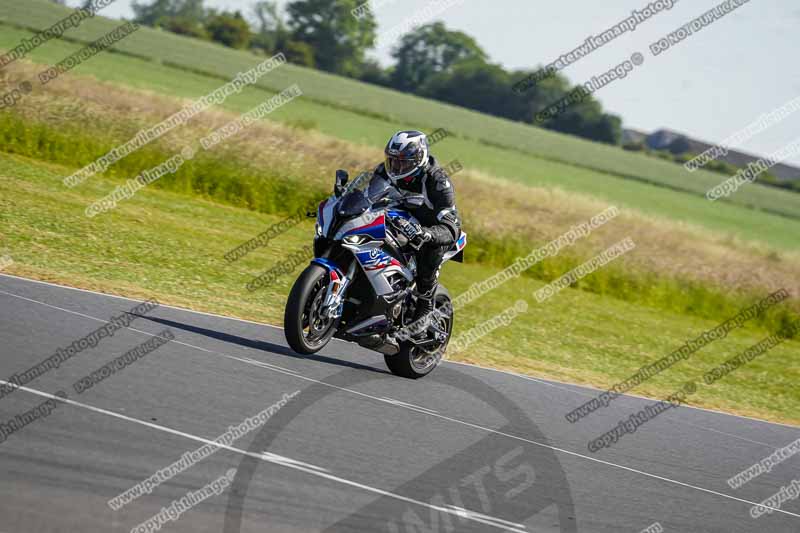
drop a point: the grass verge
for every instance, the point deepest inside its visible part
(170, 246)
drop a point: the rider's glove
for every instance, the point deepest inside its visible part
(416, 234)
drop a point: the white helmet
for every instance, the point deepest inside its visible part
(406, 153)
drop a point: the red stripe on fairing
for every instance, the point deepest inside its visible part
(377, 222)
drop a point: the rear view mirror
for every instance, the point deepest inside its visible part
(341, 181)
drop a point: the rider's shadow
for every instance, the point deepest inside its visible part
(258, 345)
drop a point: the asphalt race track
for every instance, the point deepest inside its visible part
(356, 450)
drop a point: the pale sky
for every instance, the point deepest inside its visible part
(711, 85)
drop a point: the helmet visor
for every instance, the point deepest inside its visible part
(397, 165)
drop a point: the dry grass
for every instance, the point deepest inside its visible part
(490, 206)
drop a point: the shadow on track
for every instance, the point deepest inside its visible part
(261, 345)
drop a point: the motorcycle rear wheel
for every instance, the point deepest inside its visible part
(414, 362)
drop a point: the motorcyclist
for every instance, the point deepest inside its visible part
(411, 168)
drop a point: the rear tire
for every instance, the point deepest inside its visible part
(413, 363)
(300, 313)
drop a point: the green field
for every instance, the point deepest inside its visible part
(696, 263)
(376, 107)
(749, 224)
(170, 246)
(504, 220)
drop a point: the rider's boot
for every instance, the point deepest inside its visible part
(424, 304)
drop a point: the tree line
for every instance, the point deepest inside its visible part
(430, 61)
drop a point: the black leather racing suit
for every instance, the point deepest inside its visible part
(439, 216)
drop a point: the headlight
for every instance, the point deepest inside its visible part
(355, 239)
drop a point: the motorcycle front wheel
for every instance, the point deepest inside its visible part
(306, 331)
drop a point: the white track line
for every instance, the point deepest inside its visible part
(401, 405)
(550, 382)
(294, 373)
(587, 394)
(570, 387)
(185, 309)
(281, 460)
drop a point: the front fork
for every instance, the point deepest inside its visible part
(333, 304)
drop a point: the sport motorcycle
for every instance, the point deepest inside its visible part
(360, 285)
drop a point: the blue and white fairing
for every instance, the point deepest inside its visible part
(365, 235)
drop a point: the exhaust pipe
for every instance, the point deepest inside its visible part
(379, 344)
(388, 348)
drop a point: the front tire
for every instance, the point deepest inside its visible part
(413, 362)
(306, 331)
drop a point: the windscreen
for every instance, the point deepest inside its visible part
(353, 204)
